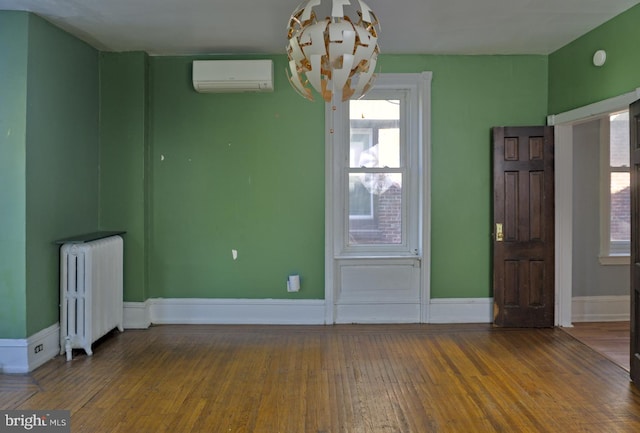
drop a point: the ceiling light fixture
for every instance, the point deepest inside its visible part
(334, 55)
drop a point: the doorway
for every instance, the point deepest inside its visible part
(601, 222)
(580, 295)
(610, 339)
(564, 185)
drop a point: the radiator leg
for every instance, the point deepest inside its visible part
(67, 348)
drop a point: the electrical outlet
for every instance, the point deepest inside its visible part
(38, 348)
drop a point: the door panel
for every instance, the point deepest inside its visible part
(523, 213)
(634, 125)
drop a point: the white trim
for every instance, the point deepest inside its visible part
(50, 340)
(563, 132)
(608, 248)
(291, 312)
(237, 311)
(305, 312)
(14, 355)
(19, 355)
(424, 107)
(615, 260)
(407, 89)
(461, 310)
(605, 185)
(601, 308)
(595, 110)
(563, 223)
(335, 124)
(329, 208)
(136, 315)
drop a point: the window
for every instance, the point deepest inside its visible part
(615, 196)
(377, 168)
(377, 202)
(375, 173)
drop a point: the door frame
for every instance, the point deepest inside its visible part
(563, 125)
(333, 123)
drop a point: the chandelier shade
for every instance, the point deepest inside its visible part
(335, 56)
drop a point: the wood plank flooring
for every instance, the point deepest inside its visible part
(612, 339)
(330, 379)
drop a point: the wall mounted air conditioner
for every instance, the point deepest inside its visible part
(227, 76)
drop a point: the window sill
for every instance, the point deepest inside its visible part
(614, 260)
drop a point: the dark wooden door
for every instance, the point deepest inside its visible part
(523, 226)
(634, 125)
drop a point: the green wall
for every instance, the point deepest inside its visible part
(230, 172)
(123, 167)
(573, 79)
(192, 177)
(62, 158)
(48, 163)
(470, 95)
(246, 172)
(13, 109)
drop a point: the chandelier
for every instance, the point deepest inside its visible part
(334, 55)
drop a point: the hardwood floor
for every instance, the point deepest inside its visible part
(612, 339)
(344, 378)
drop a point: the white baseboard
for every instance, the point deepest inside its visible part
(136, 315)
(19, 355)
(236, 311)
(139, 315)
(461, 310)
(600, 308)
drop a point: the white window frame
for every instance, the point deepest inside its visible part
(422, 83)
(388, 86)
(609, 254)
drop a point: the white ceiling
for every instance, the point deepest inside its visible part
(174, 27)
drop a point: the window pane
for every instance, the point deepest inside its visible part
(375, 208)
(620, 207)
(375, 133)
(619, 139)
